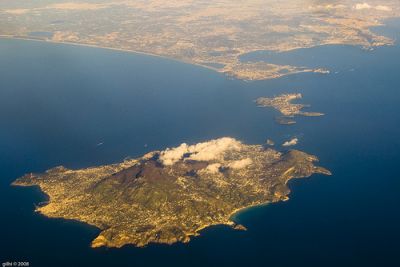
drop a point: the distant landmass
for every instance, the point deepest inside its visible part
(213, 34)
(169, 196)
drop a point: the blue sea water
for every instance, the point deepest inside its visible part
(80, 106)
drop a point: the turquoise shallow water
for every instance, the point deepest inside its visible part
(58, 102)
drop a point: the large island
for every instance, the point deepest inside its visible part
(169, 196)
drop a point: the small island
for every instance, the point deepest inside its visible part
(283, 103)
(169, 196)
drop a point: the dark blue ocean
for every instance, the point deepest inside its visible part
(58, 103)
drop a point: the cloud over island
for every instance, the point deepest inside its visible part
(292, 142)
(205, 151)
(361, 6)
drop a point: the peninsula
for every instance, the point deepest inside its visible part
(169, 196)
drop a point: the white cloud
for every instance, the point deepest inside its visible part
(292, 142)
(213, 149)
(383, 8)
(67, 6)
(205, 151)
(327, 6)
(361, 6)
(77, 6)
(172, 155)
(240, 164)
(213, 168)
(18, 11)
